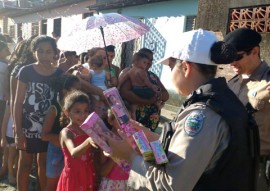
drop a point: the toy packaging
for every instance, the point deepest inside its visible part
(95, 128)
(143, 145)
(137, 139)
(119, 109)
(159, 153)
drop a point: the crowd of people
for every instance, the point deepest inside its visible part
(45, 95)
(48, 93)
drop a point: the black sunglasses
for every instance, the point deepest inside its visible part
(241, 55)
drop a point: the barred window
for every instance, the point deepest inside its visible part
(256, 18)
(190, 23)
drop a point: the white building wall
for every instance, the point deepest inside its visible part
(49, 27)
(70, 21)
(26, 30)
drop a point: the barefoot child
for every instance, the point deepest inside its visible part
(79, 171)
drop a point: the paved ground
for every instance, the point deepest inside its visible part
(167, 114)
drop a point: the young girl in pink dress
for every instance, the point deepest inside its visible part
(114, 178)
(79, 172)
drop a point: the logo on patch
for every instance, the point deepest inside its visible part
(194, 123)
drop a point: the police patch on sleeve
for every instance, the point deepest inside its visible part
(194, 123)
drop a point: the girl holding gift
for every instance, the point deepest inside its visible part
(79, 171)
(51, 128)
(113, 176)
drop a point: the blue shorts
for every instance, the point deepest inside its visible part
(55, 161)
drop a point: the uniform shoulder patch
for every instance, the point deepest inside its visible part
(194, 123)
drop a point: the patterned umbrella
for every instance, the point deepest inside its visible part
(101, 30)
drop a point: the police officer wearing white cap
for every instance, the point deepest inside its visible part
(209, 148)
(253, 76)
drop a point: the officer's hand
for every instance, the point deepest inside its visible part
(151, 136)
(121, 148)
(268, 88)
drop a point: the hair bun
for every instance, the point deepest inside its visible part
(222, 53)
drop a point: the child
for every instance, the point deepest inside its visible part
(8, 141)
(98, 77)
(52, 127)
(33, 98)
(97, 74)
(114, 178)
(141, 85)
(78, 172)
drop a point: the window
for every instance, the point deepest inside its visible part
(44, 27)
(12, 31)
(256, 18)
(35, 28)
(190, 23)
(57, 26)
(19, 29)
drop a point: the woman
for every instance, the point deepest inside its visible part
(209, 148)
(147, 113)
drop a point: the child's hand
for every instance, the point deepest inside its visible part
(151, 136)
(91, 142)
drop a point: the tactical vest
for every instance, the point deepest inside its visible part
(234, 171)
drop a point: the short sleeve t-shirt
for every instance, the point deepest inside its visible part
(38, 98)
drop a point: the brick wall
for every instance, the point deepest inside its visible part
(213, 15)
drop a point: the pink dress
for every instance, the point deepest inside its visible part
(115, 181)
(78, 173)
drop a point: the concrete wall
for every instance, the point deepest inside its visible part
(213, 15)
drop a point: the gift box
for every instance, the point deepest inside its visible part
(95, 128)
(143, 145)
(159, 152)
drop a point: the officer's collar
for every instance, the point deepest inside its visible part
(259, 72)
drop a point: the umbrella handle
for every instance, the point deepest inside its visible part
(102, 34)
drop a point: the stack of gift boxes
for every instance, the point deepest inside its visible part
(95, 128)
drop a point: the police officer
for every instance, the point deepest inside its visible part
(250, 83)
(209, 148)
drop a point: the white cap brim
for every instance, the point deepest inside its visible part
(164, 60)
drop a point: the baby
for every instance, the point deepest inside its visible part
(141, 84)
